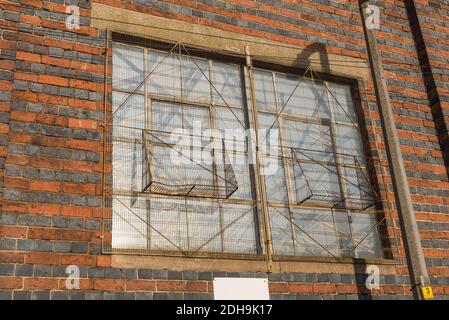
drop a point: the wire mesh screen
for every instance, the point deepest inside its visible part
(182, 225)
(173, 186)
(325, 233)
(317, 182)
(189, 217)
(186, 176)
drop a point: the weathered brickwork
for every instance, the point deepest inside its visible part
(51, 148)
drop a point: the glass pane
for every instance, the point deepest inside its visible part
(168, 224)
(366, 235)
(315, 232)
(269, 139)
(169, 117)
(281, 231)
(127, 169)
(238, 225)
(357, 187)
(341, 103)
(195, 119)
(349, 142)
(195, 85)
(264, 90)
(127, 68)
(273, 170)
(313, 140)
(344, 233)
(230, 129)
(233, 164)
(166, 117)
(164, 74)
(128, 109)
(204, 226)
(129, 230)
(301, 96)
(226, 79)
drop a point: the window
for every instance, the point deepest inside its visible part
(183, 178)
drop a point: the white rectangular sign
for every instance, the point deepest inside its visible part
(241, 289)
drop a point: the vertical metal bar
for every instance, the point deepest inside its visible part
(104, 125)
(244, 74)
(214, 125)
(259, 177)
(147, 121)
(286, 163)
(411, 237)
(343, 194)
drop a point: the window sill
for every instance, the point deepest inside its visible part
(254, 264)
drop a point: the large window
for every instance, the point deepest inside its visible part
(184, 179)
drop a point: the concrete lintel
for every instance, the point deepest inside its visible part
(214, 39)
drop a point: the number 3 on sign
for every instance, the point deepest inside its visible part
(427, 292)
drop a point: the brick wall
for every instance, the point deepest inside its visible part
(51, 109)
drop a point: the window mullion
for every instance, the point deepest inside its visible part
(147, 126)
(343, 193)
(287, 174)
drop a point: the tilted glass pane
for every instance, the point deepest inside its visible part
(238, 163)
(227, 83)
(177, 167)
(357, 187)
(318, 181)
(264, 90)
(302, 97)
(164, 74)
(195, 83)
(128, 70)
